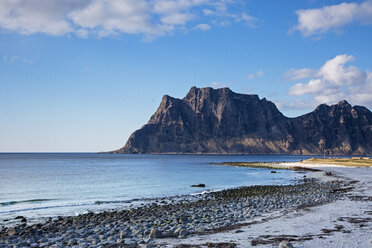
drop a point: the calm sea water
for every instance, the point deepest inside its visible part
(49, 185)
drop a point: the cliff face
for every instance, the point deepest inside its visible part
(221, 121)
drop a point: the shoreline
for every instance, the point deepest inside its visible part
(345, 222)
(194, 220)
(195, 215)
(312, 164)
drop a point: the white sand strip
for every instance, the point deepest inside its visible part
(345, 223)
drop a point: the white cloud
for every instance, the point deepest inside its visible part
(16, 59)
(250, 76)
(333, 82)
(109, 17)
(258, 74)
(333, 17)
(84, 18)
(176, 18)
(295, 104)
(296, 74)
(203, 26)
(218, 85)
(28, 17)
(250, 21)
(221, 10)
(313, 86)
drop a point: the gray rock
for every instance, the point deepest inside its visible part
(124, 234)
(183, 233)
(177, 230)
(23, 244)
(200, 185)
(146, 246)
(249, 202)
(130, 241)
(155, 233)
(147, 240)
(72, 242)
(183, 220)
(285, 244)
(13, 231)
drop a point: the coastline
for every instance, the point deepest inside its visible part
(197, 215)
(193, 220)
(345, 222)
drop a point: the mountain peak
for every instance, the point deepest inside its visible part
(219, 121)
(325, 107)
(344, 103)
(206, 92)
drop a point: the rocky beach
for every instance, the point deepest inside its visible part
(168, 221)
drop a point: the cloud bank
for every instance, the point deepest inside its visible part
(84, 18)
(334, 81)
(333, 17)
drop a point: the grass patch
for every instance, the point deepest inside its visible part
(269, 165)
(340, 161)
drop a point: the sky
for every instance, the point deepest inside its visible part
(81, 76)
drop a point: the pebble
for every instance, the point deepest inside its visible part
(155, 233)
(177, 218)
(285, 244)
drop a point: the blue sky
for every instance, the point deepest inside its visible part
(83, 75)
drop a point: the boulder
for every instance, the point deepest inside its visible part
(249, 202)
(13, 231)
(285, 244)
(183, 233)
(200, 185)
(155, 233)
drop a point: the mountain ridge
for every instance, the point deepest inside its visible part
(220, 121)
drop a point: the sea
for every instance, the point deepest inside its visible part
(41, 185)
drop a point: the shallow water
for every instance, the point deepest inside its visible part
(43, 185)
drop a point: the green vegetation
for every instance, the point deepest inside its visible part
(267, 165)
(354, 162)
(350, 162)
(270, 165)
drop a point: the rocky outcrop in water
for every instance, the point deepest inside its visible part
(220, 121)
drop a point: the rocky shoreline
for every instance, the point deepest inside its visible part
(195, 215)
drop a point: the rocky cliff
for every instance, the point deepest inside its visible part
(220, 121)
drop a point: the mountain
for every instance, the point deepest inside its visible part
(220, 121)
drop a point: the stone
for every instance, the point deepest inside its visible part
(72, 242)
(146, 246)
(13, 231)
(124, 234)
(183, 233)
(130, 241)
(155, 233)
(177, 231)
(147, 240)
(249, 202)
(285, 244)
(200, 185)
(183, 220)
(23, 244)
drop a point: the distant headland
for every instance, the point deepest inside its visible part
(220, 121)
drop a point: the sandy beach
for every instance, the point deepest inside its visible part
(328, 208)
(346, 222)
